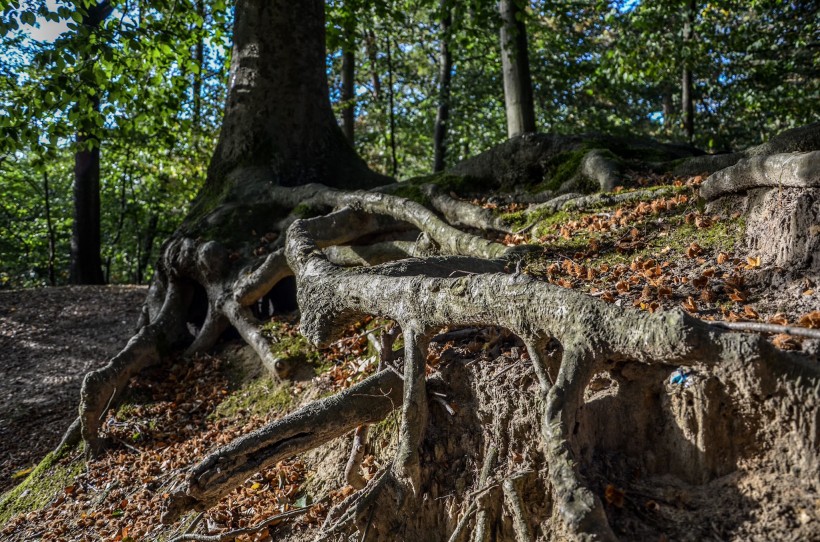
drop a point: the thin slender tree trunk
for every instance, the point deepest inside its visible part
(50, 229)
(348, 95)
(145, 246)
(668, 111)
(126, 180)
(392, 112)
(348, 78)
(445, 75)
(86, 263)
(516, 70)
(370, 43)
(687, 99)
(199, 58)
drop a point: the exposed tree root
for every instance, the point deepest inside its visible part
(461, 213)
(461, 281)
(317, 423)
(590, 333)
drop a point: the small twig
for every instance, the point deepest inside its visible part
(504, 370)
(367, 525)
(232, 535)
(446, 405)
(760, 327)
(523, 533)
(462, 523)
(128, 446)
(108, 405)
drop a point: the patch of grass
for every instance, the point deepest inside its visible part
(46, 481)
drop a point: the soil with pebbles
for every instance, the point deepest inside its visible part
(49, 339)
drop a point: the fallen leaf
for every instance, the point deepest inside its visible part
(614, 496)
(779, 319)
(749, 312)
(786, 342)
(810, 320)
(693, 250)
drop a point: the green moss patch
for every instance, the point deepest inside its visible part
(48, 479)
(257, 397)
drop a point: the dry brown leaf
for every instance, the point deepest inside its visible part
(752, 262)
(810, 320)
(693, 250)
(779, 319)
(786, 342)
(614, 496)
(749, 312)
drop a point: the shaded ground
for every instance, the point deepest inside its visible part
(49, 339)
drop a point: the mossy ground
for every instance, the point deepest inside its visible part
(258, 397)
(46, 482)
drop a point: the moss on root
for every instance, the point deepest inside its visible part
(48, 479)
(293, 348)
(446, 182)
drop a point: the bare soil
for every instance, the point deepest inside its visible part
(49, 339)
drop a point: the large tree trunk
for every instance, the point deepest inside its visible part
(86, 263)
(278, 121)
(516, 66)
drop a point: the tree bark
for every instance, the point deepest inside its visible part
(687, 100)
(391, 110)
(86, 263)
(50, 230)
(445, 74)
(348, 81)
(278, 120)
(516, 67)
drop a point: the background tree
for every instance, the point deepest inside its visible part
(154, 125)
(86, 264)
(516, 67)
(444, 79)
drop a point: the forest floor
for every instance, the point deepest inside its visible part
(49, 339)
(653, 255)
